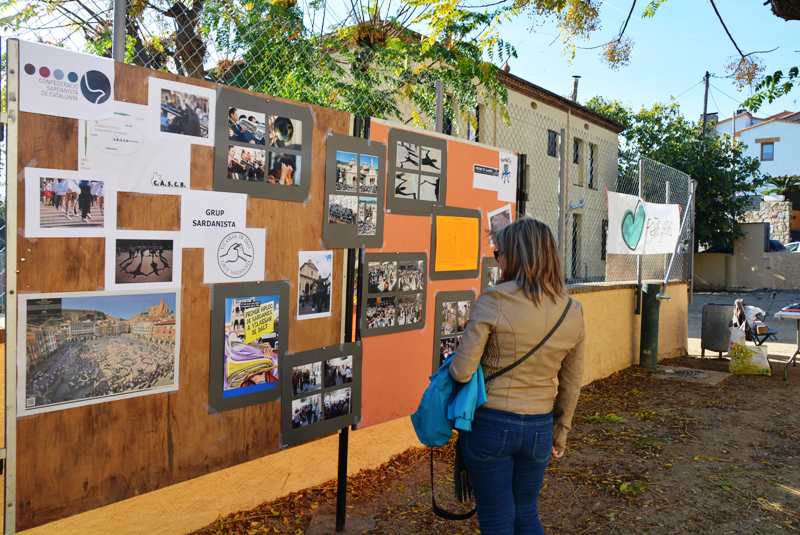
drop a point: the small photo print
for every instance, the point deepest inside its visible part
(455, 315)
(407, 156)
(382, 277)
(68, 203)
(493, 276)
(246, 126)
(337, 403)
(306, 378)
(138, 261)
(409, 309)
(342, 209)
(411, 276)
(339, 371)
(306, 411)
(381, 312)
(428, 188)
(499, 219)
(346, 171)
(463, 314)
(314, 284)
(406, 185)
(447, 346)
(246, 164)
(284, 169)
(430, 160)
(185, 113)
(285, 133)
(367, 216)
(368, 174)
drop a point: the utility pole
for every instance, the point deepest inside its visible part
(707, 77)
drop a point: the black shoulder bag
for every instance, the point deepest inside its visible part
(463, 489)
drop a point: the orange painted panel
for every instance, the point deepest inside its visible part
(457, 241)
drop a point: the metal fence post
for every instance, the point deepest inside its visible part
(562, 202)
(638, 304)
(119, 30)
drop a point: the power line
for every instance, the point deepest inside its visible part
(695, 85)
(736, 100)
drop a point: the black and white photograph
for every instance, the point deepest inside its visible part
(185, 113)
(382, 277)
(430, 160)
(337, 403)
(411, 276)
(409, 309)
(306, 411)
(367, 216)
(245, 126)
(246, 163)
(142, 260)
(306, 378)
(314, 284)
(339, 371)
(346, 171)
(368, 174)
(428, 188)
(455, 315)
(381, 312)
(407, 156)
(448, 345)
(406, 185)
(285, 133)
(493, 275)
(342, 209)
(284, 169)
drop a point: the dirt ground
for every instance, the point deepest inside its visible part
(646, 455)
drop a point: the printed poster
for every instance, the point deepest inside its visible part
(258, 321)
(210, 211)
(234, 256)
(639, 227)
(54, 81)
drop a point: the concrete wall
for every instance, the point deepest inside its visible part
(612, 345)
(779, 216)
(787, 157)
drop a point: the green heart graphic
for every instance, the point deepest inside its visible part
(633, 226)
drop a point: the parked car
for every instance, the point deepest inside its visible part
(793, 247)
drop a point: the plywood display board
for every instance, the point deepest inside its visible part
(80, 458)
(396, 366)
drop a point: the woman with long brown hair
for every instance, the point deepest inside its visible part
(529, 408)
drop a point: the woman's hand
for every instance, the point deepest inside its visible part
(558, 453)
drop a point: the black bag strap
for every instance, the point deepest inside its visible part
(535, 348)
(444, 513)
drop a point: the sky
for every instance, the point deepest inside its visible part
(670, 55)
(119, 306)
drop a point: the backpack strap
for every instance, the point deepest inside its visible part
(444, 513)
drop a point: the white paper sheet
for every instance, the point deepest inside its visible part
(210, 211)
(234, 256)
(507, 185)
(314, 284)
(485, 177)
(143, 260)
(182, 112)
(639, 227)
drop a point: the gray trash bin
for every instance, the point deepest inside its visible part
(715, 334)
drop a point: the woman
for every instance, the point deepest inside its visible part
(529, 409)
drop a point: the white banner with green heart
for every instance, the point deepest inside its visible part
(639, 227)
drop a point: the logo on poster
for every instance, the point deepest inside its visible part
(161, 181)
(93, 85)
(235, 255)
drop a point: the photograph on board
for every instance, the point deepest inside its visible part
(337, 403)
(143, 261)
(411, 276)
(342, 209)
(428, 188)
(314, 278)
(493, 276)
(88, 348)
(430, 160)
(455, 315)
(306, 378)
(368, 174)
(339, 371)
(285, 133)
(409, 309)
(250, 360)
(184, 112)
(406, 185)
(367, 216)
(381, 312)
(407, 156)
(499, 219)
(382, 276)
(448, 345)
(284, 169)
(245, 126)
(68, 203)
(346, 171)
(245, 163)
(306, 411)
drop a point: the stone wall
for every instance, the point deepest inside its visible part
(779, 216)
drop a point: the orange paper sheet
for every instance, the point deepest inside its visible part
(457, 241)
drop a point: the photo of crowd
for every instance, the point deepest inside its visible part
(337, 403)
(246, 126)
(139, 260)
(411, 276)
(306, 411)
(285, 133)
(246, 164)
(346, 171)
(306, 378)
(409, 309)
(382, 277)
(381, 312)
(368, 174)
(342, 209)
(455, 315)
(66, 202)
(338, 371)
(184, 113)
(367, 216)
(250, 361)
(447, 346)
(417, 171)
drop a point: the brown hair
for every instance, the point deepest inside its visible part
(531, 258)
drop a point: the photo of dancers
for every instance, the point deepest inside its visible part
(307, 378)
(184, 113)
(246, 164)
(337, 403)
(394, 289)
(140, 260)
(418, 171)
(409, 309)
(382, 277)
(381, 312)
(65, 202)
(306, 411)
(246, 126)
(411, 277)
(338, 371)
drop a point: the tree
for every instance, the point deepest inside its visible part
(783, 185)
(723, 173)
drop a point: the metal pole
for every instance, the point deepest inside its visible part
(692, 187)
(562, 203)
(677, 245)
(707, 77)
(666, 201)
(439, 106)
(522, 184)
(638, 302)
(119, 30)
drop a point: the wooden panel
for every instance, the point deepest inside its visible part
(81, 458)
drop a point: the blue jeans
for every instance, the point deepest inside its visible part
(506, 455)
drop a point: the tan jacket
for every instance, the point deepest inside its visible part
(503, 326)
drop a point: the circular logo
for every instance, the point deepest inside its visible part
(235, 255)
(30, 68)
(96, 87)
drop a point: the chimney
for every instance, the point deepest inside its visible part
(575, 79)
